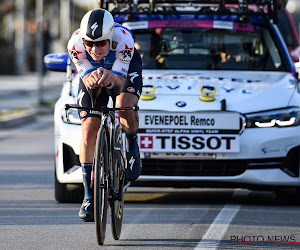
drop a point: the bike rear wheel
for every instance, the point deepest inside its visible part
(118, 176)
(101, 185)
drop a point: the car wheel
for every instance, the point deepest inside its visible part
(297, 196)
(67, 193)
(288, 195)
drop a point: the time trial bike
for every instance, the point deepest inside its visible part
(108, 176)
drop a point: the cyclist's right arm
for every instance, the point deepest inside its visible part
(84, 67)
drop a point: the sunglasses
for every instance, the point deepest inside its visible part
(98, 44)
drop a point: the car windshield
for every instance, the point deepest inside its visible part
(208, 49)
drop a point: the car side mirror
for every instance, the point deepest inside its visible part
(56, 61)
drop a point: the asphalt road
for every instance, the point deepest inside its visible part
(30, 218)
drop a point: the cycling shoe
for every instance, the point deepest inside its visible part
(134, 164)
(86, 212)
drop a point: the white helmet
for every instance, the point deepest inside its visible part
(97, 25)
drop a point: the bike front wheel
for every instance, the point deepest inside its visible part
(101, 162)
(118, 176)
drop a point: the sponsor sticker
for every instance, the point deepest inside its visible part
(74, 53)
(124, 70)
(189, 143)
(204, 120)
(114, 44)
(223, 24)
(83, 113)
(218, 24)
(205, 132)
(136, 25)
(126, 52)
(131, 89)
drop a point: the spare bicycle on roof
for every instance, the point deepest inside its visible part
(267, 8)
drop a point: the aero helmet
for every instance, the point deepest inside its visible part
(97, 25)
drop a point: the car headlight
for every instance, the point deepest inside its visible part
(285, 117)
(70, 116)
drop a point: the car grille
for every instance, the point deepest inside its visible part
(218, 167)
(193, 167)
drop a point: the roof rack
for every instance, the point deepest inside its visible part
(268, 8)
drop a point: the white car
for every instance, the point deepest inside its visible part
(220, 105)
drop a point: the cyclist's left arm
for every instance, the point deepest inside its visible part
(117, 75)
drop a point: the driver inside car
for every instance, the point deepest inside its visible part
(234, 52)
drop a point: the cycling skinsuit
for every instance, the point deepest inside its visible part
(122, 59)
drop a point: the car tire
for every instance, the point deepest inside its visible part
(288, 195)
(67, 193)
(297, 195)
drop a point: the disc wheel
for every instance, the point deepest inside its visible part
(117, 203)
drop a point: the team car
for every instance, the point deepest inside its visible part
(220, 105)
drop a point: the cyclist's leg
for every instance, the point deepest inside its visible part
(90, 124)
(129, 118)
(89, 127)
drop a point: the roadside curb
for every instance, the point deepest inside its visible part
(22, 118)
(14, 120)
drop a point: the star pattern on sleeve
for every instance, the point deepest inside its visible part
(126, 52)
(74, 53)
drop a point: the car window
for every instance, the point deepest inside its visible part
(204, 48)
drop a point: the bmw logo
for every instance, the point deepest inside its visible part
(180, 104)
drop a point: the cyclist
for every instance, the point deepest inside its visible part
(104, 55)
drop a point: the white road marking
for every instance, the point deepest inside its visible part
(217, 229)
